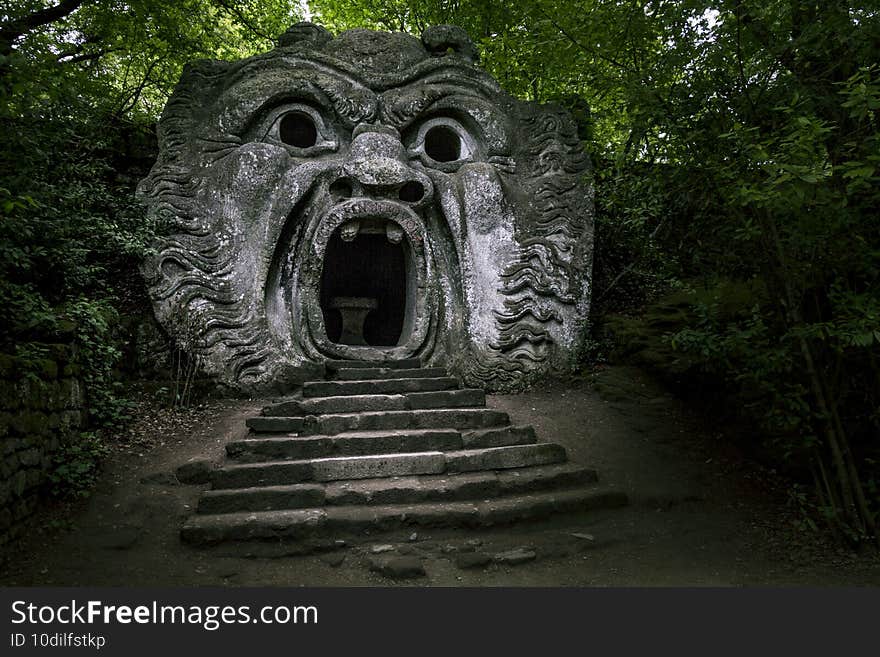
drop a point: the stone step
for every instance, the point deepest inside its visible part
(377, 387)
(445, 418)
(374, 373)
(462, 486)
(276, 473)
(502, 458)
(344, 444)
(397, 490)
(267, 424)
(466, 398)
(402, 363)
(337, 404)
(281, 473)
(499, 437)
(262, 498)
(371, 465)
(360, 403)
(296, 524)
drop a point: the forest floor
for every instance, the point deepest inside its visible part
(700, 513)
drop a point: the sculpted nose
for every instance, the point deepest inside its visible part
(378, 162)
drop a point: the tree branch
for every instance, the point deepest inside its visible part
(16, 27)
(236, 12)
(578, 44)
(85, 56)
(78, 48)
(131, 99)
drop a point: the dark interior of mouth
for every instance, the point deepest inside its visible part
(364, 289)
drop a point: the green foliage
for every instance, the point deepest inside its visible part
(98, 354)
(123, 60)
(71, 241)
(79, 91)
(76, 464)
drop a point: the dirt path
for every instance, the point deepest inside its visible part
(700, 514)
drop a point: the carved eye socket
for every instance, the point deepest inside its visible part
(444, 143)
(298, 129)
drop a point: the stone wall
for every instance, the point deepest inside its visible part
(41, 403)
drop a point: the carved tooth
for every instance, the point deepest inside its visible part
(393, 232)
(350, 230)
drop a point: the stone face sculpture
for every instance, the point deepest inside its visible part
(368, 166)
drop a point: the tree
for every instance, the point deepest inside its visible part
(81, 83)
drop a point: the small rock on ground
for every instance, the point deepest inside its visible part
(472, 560)
(515, 556)
(398, 567)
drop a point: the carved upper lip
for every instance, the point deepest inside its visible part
(367, 208)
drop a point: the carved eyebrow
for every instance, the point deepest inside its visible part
(402, 106)
(251, 96)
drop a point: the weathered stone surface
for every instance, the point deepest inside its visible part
(328, 150)
(498, 458)
(392, 386)
(515, 557)
(520, 480)
(279, 447)
(468, 397)
(271, 424)
(412, 490)
(465, 418)
(540, 505)
(381, 465)
(339, 404)
(415, 440)
(40, 407)
(373, 373)
(298, 524)
(346, 444)
(278, 473)
(333, 365)
(499, 437)
(263, 498)
(207, 529)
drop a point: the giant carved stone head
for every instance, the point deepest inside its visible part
(370, 196)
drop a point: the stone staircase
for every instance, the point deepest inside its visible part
(384, 446)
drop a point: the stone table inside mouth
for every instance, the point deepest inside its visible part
(354, 311)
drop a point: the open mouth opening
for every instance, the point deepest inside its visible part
(367, 284)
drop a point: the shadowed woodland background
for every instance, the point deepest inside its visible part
(735, 148)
